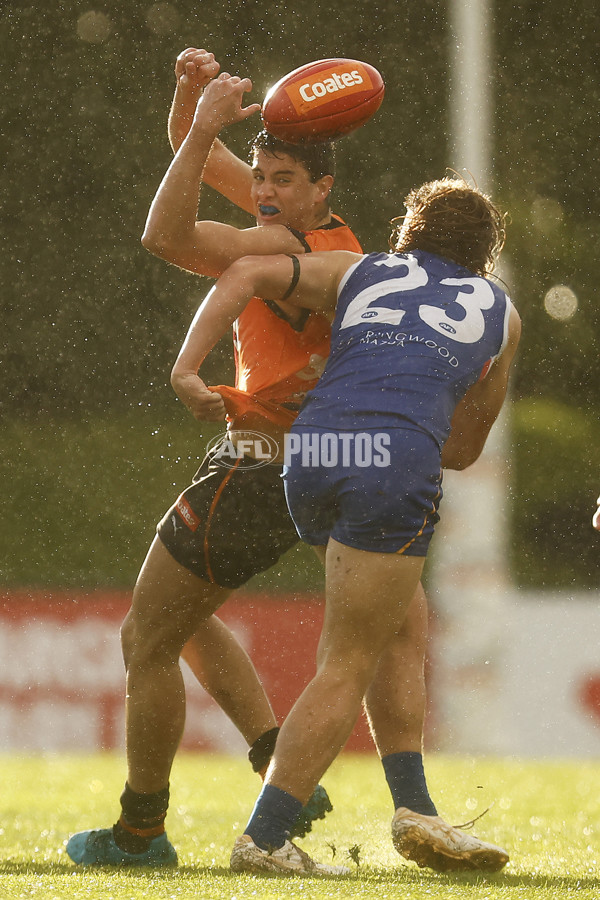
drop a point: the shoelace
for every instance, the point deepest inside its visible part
(472, 822)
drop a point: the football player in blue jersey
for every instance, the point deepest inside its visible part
(422, 344)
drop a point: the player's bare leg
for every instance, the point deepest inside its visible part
(395, 707)
(169, 604)
(395, 704)
(226, 672)
(395, 700)
(367, 596)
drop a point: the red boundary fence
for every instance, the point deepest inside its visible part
(62, 677)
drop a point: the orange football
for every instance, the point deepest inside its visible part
(322, 100)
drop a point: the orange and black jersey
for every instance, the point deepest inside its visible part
(278, 360)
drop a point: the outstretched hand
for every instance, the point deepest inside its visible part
(221, 102)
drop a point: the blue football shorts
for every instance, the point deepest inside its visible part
(376, 490)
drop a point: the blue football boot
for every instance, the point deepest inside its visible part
(98, 848)
(317, 808)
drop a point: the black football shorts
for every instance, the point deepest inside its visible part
(231, 523)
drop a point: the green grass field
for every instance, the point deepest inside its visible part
(546, 814)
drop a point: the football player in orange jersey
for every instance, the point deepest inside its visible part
(232, 523)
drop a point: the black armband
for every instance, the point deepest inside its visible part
(295, 276)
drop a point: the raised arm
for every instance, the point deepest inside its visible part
(224, 171)
(312, 279)
(480, 407)
(172, 231)
(194, 69)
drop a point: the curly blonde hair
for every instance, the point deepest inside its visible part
(451, 218)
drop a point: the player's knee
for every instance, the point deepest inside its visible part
(144, 645)
(356, 664)
(132, 642)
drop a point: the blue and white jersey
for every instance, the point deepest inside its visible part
(412, 332)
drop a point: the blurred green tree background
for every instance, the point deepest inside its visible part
(94, 446)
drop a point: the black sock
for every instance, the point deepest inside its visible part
(142, 819)
(262, 750)
(272, 818)
(406, 779)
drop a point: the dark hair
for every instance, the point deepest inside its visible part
(317, 158)
(450, 218)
